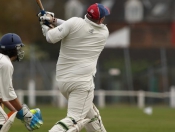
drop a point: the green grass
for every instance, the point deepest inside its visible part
(115, 118)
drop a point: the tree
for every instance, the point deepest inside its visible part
(20, 17)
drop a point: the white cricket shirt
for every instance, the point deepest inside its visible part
(82, 43)
(7, 92)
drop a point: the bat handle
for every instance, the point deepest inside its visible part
(49, 25)
(43, 12)
(46, 22)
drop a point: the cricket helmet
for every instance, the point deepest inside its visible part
(11, 44)
(10, 41)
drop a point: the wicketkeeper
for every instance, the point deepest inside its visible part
(82, 41)
(11, 50)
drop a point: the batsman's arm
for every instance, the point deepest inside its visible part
(49, 17)
(59, 21)
(16, 104)
(8, 105)
(58, 33)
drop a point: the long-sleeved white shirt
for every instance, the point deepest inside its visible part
(81, 45)
(7, 92)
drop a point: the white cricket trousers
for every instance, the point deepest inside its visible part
(80, 96)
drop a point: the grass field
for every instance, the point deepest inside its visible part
(116, 119)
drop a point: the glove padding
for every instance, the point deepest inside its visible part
(45, 29)
(36, 112)
(47, 18)
(46, 12)
(47, 21)
(31, 118)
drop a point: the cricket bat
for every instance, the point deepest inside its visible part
(7, 125)
(40, 5)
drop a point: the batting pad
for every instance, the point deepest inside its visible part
(7, 125)
(79, 126)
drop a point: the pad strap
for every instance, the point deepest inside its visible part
(63, 125)
(73, 120)
(1, 126)
(94, 119)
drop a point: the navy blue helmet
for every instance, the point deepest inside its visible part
(11, 42)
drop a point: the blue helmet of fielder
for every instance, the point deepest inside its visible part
(12, 43)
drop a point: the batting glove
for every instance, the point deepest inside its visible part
(45, 29)
(45, 12)
(32, 120)
(47, 18)
(37, 113)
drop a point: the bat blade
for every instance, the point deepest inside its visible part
(43, 12)
(40, 4)
(8, 123)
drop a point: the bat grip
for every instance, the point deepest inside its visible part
(46, 22)
(43, 12)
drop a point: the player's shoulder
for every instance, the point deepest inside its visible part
(5, 62)
(104, 29)
(74, 19)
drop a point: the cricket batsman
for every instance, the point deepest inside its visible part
(11, 50)
(82, 41)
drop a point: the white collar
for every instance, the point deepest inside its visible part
(92, 23)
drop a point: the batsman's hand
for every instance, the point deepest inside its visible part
(47, 17)
(45, 29)
(31, 118)
(40, 14)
